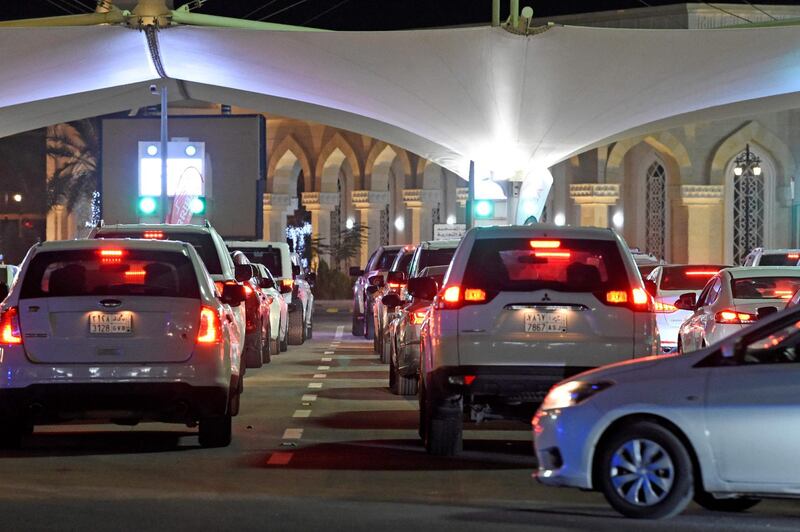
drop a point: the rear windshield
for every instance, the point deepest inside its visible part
(386, 259)
(133, 273)
(202, 243)
(402, 262)
(511, 264)
(269, 257)
(779, 259)
(765, 287)
(687, 277)
(435, 257)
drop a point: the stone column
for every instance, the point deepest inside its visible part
(704, 218)
(320, 204)
(275, 208)
(593, 201)
(421, 202)
(58, 223)
(370, 204)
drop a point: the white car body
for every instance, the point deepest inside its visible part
(733, 407)
(705, 326)
(278, 308)
(62, 367)
(772, 257)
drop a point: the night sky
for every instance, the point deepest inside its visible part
(355, 14)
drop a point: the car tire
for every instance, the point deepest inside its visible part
(216, 431)
(253, 356)
(680, 346)
(235, 399)
(738, 504)
(358, 321)
(444, 427)
(369, 326)
(386, 349)
(670, 494)
(400, 385)
(275, 345)
(284, 343)
(266, 347)
(309, 330)
(296, 327)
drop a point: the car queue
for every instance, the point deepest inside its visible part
(653, 391)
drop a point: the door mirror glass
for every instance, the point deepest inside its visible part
(232, 294)
(687, 301)
(391, 301)
(295, 269)
(423, 288)
(372, 289)
(266, 283)
(243, 272)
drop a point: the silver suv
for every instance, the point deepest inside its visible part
(521, 309)
(122, 331)
(378, 264)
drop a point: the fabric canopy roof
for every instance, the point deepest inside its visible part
(514, 104)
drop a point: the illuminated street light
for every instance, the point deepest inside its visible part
(350, 223)
(560, 219)
(17, 197)
(399, 223)
(747, 163)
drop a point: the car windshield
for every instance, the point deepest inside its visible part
(692, 277)
(765, 287)
(386, 259)
(203, 243)
(110, 272)
(566, 265)
(402, 262)
(269, 257)
(779, 259)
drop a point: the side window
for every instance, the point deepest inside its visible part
(713, 293)
(701, 300)
(782, 346)
(372, 261)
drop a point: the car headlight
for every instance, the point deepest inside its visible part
(572, 393)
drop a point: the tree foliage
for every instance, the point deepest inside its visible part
(346, 247)
(75, 148)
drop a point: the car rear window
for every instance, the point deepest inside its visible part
(269, 257)
(687, 277)
(386, 259)
(402, 262)
(127, 273)
(765, 287)
(435, 257)
(203, 243)
(575, 265)
(779, 259)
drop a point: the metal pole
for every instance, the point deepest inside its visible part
(514, 14)
(470, 195)
(495, 13)
(164, 153)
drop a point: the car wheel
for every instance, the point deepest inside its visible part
(216, 431)
(369, 326)
(444, 426)
(234, 401)
(296, 327)
(738, 504)
(275, 345)
(645, 472)
(253, 358)
(284, 342)
(309, 329)
(266, 346)
(680, 346)
(386, 349)
(358, 321)
(400, 385)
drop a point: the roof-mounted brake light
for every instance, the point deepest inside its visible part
(545, 244)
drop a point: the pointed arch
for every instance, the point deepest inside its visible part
(753, 133)
(288, 146)
(664, 142)
(378, 165)
(328, 158)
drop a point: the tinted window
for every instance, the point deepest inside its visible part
(435, 257)
(386, 259)
(134, 273)
(269, 257)
(765, 287)
(402, 262)
(203, 243)
(687, 277)
(779, 259)
(510, 264)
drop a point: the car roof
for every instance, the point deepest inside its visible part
(393, 247)
(166, 228)
(745, 272)
(434, 270)
(440, 244)
(543, 230)
(255, 244)
(125, 243)
(779, 251)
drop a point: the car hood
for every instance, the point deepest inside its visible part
(636, 369)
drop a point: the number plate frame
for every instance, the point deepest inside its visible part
(110, 323)
(545, 322)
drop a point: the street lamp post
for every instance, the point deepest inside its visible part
(164, 153)
(747, 167)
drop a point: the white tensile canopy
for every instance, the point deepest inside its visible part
(514, 104)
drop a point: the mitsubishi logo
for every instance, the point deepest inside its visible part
(546, 297)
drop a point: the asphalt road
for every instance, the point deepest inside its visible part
(320, 444)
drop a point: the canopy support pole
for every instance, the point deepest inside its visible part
(164, 153)
(470, 195)
(514, 14)
(495, 13)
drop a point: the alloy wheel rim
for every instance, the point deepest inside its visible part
(642, 472)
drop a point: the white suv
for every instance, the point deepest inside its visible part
(278, 259)
(521, 309)
(118, 330)
(772, 257)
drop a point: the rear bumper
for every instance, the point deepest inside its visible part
(173, 402)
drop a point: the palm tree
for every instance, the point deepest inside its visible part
(75, 147)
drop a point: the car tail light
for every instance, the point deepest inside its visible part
(395, 286)
(794, 255)
(453, 297)
(701, 273)
(732, 317)
(553, 254)
(288, 282)
(220, 286)
(474, 294)
(418, 316)
(659, 306)
(637, 299)
(9, 327)
(111, 256)
(469, 379)
(545, 244)
(784, 294)
(248, 290)
(153, 235)
(210, 331)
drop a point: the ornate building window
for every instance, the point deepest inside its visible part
(748, 213)
(655, 210)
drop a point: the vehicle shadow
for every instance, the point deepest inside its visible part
(376, 393)
(99, 442)
(408, 455)
(369, 420)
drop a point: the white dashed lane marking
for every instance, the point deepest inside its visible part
(320, 375)
(339, 331)
(315, 385)
(327, 353)
(323, 368)
(292, 434)
(309, 397)
(301, 413)
(326, 359)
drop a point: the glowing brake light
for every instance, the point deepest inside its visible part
(545, 244)
(248, 290)
(210, 331)
(153, 235)
(220, 286)
(418, 316)
(288, 282)
(111, 252)
(474, 294)
(732, 317)
(794, 255)
(452, 294)
(701, 273)
(784, 294)
(640, 297)
(617, 296)
(664, 307)
(9, 327)
(136, 274)
(553, 254)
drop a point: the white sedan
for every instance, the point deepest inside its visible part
(718, 426)
(733, 299)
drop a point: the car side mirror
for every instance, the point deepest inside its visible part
(396, 277)
(311, 278)
(391, 301)
(687, 301)
(377, 280)
(372, 289)
(650, 287)
(295, 269)
(285, 289)
(243, 272)
(355, 271)
(423, 288)
(763, 312)
(232, 294)
(266, 282)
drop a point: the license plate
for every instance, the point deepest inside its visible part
(545, 322)
(110, 323)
